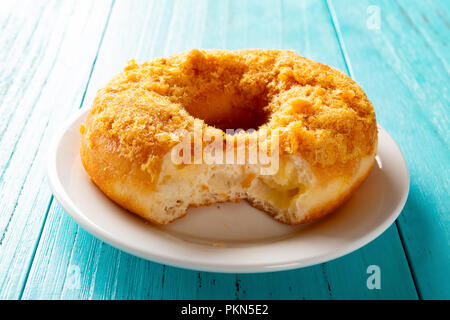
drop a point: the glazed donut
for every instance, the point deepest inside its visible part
(312, 120)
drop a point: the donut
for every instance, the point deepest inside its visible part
(180, 131)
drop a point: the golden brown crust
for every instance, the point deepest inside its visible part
(107, 169)
(331, 206)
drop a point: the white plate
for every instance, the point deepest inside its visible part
(231, 237)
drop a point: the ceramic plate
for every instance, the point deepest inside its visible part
(232, 237)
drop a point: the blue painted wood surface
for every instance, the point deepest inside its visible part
(54, 56)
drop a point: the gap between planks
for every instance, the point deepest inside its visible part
(30, 264)
(335, 23)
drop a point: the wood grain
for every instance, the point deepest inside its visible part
(404, 69)
(69, 263)
(48, 49)
(54, 55)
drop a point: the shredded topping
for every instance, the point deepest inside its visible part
(322, 114)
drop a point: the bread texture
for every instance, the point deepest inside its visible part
(325, 127)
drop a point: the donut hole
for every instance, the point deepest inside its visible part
(223, 92)
(228, 111)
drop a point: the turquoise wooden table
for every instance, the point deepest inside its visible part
(54, 55)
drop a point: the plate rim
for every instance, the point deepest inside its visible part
(83, 221)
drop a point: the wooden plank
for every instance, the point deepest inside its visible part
(69, 263)
(47, 53)
(404, 68)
